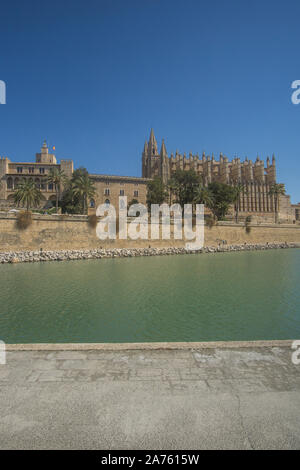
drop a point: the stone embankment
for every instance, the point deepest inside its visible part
(65, 255)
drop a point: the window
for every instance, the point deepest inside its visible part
(92, 203)
(106, 192)
(50, 186)
(31, 169)
(107, 202)
(136, 193)
(43, 186)
(42, 171)
(19, 169)
(9, 183)
(121, 192)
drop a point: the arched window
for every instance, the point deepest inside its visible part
(107, 202)
(92, 203)
(16, 182)
(9, 183)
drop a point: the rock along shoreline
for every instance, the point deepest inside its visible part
(99, 253)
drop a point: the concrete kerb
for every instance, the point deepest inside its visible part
(147, 346)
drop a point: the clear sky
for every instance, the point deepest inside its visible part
(93, 76)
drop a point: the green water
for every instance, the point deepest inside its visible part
(230, 296)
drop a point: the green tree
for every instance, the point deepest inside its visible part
(27, 194)
(58, 179)
(185, 185)
(276, 190)
(132, 202)
(172, 185)
(204, 196)
(223, 195)
(156, 192)
(238, 190)
(71, 203)
(83, 188)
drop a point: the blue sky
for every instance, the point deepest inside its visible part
(92, 77)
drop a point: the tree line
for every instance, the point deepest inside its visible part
(77, 191)
(186, 187)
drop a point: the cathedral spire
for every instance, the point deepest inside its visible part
(163, 151)
(164, 163)
(152, 147)
(152, 137)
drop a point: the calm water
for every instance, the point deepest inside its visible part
(230, 296)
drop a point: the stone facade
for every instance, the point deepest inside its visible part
(110, 188)
(12, 173)
(256, 177)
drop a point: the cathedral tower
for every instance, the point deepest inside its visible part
(150, 158)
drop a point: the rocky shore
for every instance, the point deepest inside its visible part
(66, 255)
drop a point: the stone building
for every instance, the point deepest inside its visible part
(109, 188)
(256, 177)
(13, 173)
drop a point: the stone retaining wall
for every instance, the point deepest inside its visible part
(68, 255)
(74, 233)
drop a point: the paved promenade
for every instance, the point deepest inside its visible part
(244, 398)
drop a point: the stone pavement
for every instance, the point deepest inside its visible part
(242, 398)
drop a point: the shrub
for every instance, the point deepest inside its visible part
(248, 224)
(24, 219)
(93, 220)
(210, 222)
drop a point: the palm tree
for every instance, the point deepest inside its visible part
(57, 178)
(238, 190)
(28, 194)
(203, 196)
(84, 188)
(276, 190)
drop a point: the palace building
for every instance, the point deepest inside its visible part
(108, 188)
(12, 173)
(256, 177)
